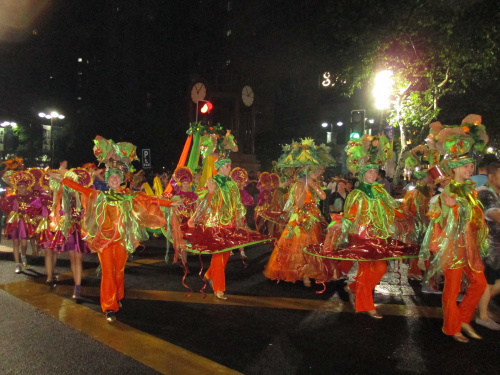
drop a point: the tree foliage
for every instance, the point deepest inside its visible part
(437, 49)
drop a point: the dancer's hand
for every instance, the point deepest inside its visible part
(449, 200)
(211, 185)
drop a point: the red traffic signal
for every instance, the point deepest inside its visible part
(206, 107)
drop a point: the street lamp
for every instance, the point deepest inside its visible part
(52, 116)
(382, 91)
(329, 134)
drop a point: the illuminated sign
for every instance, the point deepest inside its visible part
(328, 81)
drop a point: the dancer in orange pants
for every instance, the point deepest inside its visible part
(457, 234)
(114, 223)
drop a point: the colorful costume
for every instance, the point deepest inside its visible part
(287, 261)
(220, 228)
(189, 199)
(368, 230)
(114, 224)
(458, 235)
(22, 210)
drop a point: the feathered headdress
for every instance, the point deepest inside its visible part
(367, 153)
(305, 153)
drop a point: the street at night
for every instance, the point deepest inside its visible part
(249, 187)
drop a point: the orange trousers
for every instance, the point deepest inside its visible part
(113, 259)
(216, 271)
(453, 314)
(369, 275)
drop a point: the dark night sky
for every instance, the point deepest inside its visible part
(140, 58)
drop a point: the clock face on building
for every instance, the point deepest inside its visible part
(247, 96)
(198, 92)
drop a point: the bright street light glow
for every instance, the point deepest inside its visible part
(383, 89)
(371, 121)
(490, 149)
(340, 123)
(52, 115)
(325, 124)
(8, 123)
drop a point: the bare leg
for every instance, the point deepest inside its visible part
(15, 248)
(76, 266)
(34, 246)
(484, 302)
(50, 263)
(24, 247)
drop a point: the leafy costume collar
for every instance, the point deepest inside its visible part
(372, 191)
(222, 181)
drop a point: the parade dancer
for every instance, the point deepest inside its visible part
(457, 233)
(240, 176)
(368, 230)
(416, 201)
(66, 219)
(218, 227)
(20, 224)
(114, 223)
(287, 261)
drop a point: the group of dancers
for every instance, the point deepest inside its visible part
(203, 210)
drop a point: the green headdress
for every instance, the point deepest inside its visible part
(419, 160)
(455, 141)
(367, 153)
(220, 163)
(116, 156)
(305, 153)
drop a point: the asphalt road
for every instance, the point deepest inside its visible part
(263, 328)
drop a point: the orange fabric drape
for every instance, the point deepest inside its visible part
(182, 160)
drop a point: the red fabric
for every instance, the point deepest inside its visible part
(113, 259)
(454, 315)
(369, 275)
(208, 239)
(368, 249)
(216, 271)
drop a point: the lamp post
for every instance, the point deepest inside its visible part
(328, 133)
(52, 116)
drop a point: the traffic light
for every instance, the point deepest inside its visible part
(206, 107)
(355, 135)
(358, 121)
(203, 109)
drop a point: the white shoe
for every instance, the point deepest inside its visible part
(488, 324)
(18, 268)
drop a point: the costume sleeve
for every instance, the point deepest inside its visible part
(75, 186)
